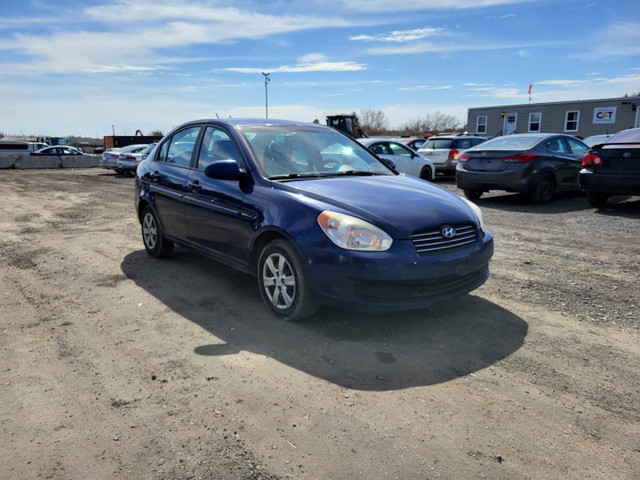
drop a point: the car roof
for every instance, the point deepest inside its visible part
(245, 122)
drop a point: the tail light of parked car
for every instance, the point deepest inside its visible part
(130, 158)
(591, 159)
(464, 158)
(519, 158)
(453, 153)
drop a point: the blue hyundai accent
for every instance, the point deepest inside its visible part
(317, 218)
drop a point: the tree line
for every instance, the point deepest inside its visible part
(375, 122)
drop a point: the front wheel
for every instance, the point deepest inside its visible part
(154, 242)
(283, 283)
(425, 174)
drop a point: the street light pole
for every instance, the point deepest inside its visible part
(266, 95)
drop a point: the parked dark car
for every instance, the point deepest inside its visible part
(312, 213)
(612, 168)
(535, 164)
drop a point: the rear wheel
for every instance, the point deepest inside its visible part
(283, 284)
(545, 189)
(154, 242)
(597, 199)
(472, 193)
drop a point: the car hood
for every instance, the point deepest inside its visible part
(401, 205)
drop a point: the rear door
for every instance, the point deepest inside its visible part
(168, 180)
(566, 163)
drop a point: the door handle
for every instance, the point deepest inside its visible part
(154, 176)
(195, 186)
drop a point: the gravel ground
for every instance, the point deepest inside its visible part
(114, 365)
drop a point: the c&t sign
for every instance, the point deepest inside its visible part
(604, 115)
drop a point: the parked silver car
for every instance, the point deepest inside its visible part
(444, 150)
(405, 160)
(129, 161)
(110, 157)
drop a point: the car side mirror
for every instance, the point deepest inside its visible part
(224, 170)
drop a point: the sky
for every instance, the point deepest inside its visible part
(98, 67)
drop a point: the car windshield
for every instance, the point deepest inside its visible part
(299, 152)
(434, 143)
(508, 143)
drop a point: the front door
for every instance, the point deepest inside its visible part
(510, 123)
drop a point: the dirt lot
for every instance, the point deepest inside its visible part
(114, 365)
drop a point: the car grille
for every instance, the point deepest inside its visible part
(433, 242)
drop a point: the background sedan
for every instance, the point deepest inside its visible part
(110, 158)
(612, 168)
(405, 160)
(535, 164)
(58, 150)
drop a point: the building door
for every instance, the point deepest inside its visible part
(510, 123)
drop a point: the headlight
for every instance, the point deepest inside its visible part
(477, 211)
(353, 233)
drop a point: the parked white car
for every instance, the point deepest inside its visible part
(444, 150)
(110, 157)
(405, 160)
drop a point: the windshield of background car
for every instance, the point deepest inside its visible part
(285, 151)
(508, 143)
(626, 136)
(434, 143)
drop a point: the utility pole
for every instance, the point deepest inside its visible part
(266, 95)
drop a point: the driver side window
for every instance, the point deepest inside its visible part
(217, 145)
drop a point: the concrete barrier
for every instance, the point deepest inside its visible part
(8, 161)
(37, 161)
(24, 162)
(84, 161)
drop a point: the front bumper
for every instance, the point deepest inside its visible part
(398, 279)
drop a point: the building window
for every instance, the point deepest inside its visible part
(535, 122)
(572, 121)
(481, 125)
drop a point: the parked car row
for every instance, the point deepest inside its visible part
(543, 164)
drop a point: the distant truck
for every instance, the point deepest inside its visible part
(17, 147)
(347, 124)
(52, 141)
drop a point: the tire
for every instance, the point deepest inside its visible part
(283, 283)
(154, 242)
(597, 199)
(545, 189)
(426, 174)
(472, 193)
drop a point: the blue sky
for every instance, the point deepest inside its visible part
(89, 67)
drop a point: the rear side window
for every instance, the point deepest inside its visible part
(179, 148)
(438, 143)
(577, 148)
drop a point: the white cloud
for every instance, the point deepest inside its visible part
(391, 6)
(422, 88)
(617, 39)
(399, 36)
(313, 66)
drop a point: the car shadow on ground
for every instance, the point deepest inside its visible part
(354, 350)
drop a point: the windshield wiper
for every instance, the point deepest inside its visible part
(286, 176)
(359, 173)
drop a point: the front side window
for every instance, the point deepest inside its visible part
(217, 145)
(535, 122)
(178, 149)
(398, 149)
(481, 125)
(572, 121)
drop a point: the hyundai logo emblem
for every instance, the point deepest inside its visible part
(448, 232)
(626, 155)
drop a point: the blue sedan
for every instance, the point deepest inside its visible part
(312, 214)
